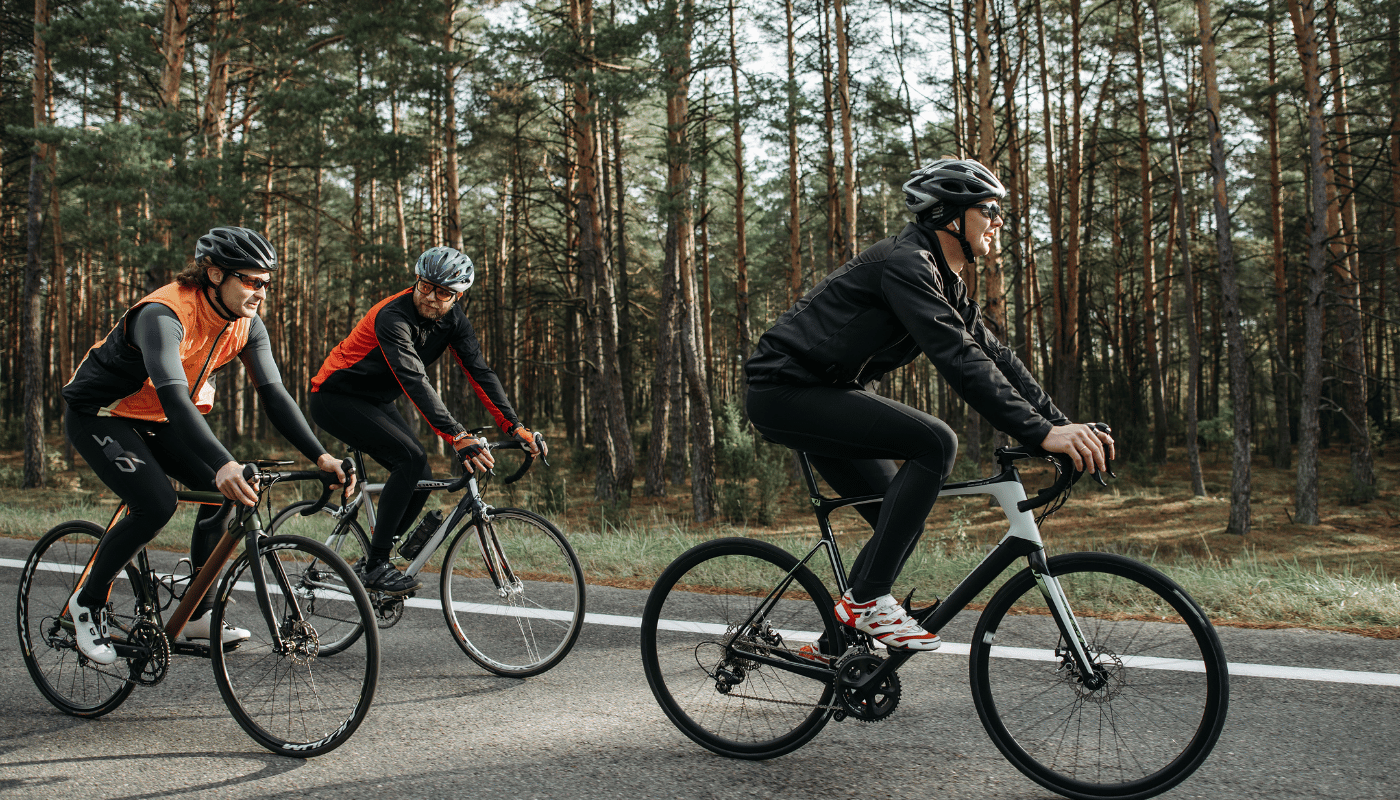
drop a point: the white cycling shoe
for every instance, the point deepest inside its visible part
(198, 628)
(90, 631)
(886, 620)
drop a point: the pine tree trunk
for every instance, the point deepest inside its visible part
(1149, 266)
(1348, 269)
(848, 155)
(1229, 289)
(449, 133)
(1305, 32)
(794, 215)
(1193, 366)
(1283, 444)
(744, 336)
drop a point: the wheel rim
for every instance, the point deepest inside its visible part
(1157, 708)
(520, 626)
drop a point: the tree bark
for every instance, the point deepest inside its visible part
(794, 215)
(1229, 288)
(1305, 33)
(1283, 440)
(1193, 368)
(1149, 266)
(1348, 269)
(744, 335)
(848, 155)
(449, 131)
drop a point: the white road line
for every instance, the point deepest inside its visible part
(1237, 669)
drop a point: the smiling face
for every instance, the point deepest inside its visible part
(981, 231)
(235, 289)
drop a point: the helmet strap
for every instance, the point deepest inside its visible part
(220, 307)
(960, 236)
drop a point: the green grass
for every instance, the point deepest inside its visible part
(632, 551)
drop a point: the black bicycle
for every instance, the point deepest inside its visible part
(296, 594)
(511, 587)
(1095, 675)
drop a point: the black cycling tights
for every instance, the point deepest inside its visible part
(379, 431)
(853, 438)
(136, 459)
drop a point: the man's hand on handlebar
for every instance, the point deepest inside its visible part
(1088, 445)
(230, 482)
(535, 447)
(329, 463)
(474, 454)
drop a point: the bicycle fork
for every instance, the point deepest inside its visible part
(1070, 631)
(494, 558)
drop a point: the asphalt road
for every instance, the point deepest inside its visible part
(441, 727)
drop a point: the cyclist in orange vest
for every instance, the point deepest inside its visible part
(136, 406)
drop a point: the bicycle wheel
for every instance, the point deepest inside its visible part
(1160, 709)
(72, 683)
(513, 593)
(289, 699)
(344, 537)
(724, 702)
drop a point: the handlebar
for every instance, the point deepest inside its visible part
(1066, 477)
(508, 444)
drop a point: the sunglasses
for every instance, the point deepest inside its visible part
(252, 283)
(990, 211)
(433, 289)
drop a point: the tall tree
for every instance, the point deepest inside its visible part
(1304, 17)
(1229, 285)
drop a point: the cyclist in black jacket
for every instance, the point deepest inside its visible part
(811, 380)
(386, 357)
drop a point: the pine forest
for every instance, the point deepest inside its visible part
(1202, 249)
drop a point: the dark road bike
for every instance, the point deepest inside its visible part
(295, 595)
(1095, 675)
(511, 587)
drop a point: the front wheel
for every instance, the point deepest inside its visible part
(1147, 718)
(702, 624)
(280, 689)
(68, 680)
(513, 593)
(344, 537)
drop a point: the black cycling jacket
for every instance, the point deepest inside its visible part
(386, 356)
(879, 311)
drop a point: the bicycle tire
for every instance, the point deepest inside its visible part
(525, 630)
(1157, 716)
(700, 598)
(293, 702)
(344, 537)
(47, 582)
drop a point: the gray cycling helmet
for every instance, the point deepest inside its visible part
(236, 249)
(938, 193)
(446, 267)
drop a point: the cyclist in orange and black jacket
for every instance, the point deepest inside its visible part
(385, 357)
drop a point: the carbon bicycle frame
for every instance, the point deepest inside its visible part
(1022, 540)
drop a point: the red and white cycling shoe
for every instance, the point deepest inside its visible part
(886, 620)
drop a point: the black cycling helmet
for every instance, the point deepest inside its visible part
(447, 268)
(236, 249)
(943, 191)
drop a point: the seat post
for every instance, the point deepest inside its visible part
(806, 465)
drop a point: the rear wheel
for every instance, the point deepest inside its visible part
(513, 593)
(345, 538)
(1147, 718)
(71, 682)
(699, 631)
(280, 689)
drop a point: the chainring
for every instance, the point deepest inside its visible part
(149, 671)
(387, 610)
(858, 702)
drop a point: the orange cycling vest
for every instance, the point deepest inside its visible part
(210, 342)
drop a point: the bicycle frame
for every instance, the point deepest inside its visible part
(1022, 540)
(472, 506)
(246, 526)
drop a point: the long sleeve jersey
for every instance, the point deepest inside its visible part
(387, 355)
(877, 312)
